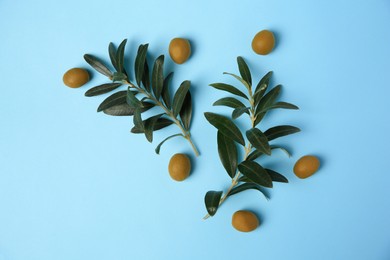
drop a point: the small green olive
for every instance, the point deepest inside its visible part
(263, 42)
(179, 50)
(179, 167)
(245, 221)
(306, 166)
(75, 78)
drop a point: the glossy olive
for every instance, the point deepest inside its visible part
(306, 166)
(263, 42)
(179, 167)
(75, 78)
(179, 50)
(245, 221)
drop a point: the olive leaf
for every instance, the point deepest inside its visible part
(146, 77)
(97, 65)
(149, 126)
(256, 153)
(165, 92)
(102, 89)
(228, 154)
(279, 131)
(166, 139)
(229, 88)
(276, 177)
(244, 70)
(112, 54)
(115, 99)
(139, 65)
(268, 99)
(160, 124)
(158, 77)
(257, 174)
(120, 53)
(247, 186)
(180, 96)
(186, 111)
(264, 83)
(125, 109)
(239, 112)
(258, 140)
(225, 126)
(211, 200)
(247, 86)
(132, 100)
(230, 102)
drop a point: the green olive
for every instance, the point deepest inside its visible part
(306, 166)
(263, 42)
(75, 78)
(245, 221)
(179, 167)
(179, 50)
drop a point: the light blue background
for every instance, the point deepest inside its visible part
(75, 184)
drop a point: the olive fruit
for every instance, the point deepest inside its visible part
(179, 50)
(75, 78)
(179, 167)
(306, 166)
(263, 42)
(245, 221)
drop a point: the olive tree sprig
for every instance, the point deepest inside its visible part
(153, 88)
(247, 173)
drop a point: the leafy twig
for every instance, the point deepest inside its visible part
(247, 174)
(154, 89)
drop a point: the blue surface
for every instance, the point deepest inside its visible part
(75, 184)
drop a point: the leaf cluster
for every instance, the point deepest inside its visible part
(258, 100)
(151, 89)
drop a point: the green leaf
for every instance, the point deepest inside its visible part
(228, 88)
(264, 81)
(158, 76)
(259, 117)
(268, 99)
(276, 177)
(166, 139)
(211, 201)
(259, 140)
(112, 53)
(186, 111)
(102, 89)
(119, 76)
(160, 124)
(226, 126)
(137, 119)
(228, 155)
(229, 102)
(180, 96)
(256, 173)
(132, 100)
(120, 55)
(239, 112)
(113, 100)
(247, 186)
(279, 131)
(256, 153)
(97, 65)
(244, 70)
(283, 105)
(139, 65)
(125, 109)
(149, 126)
(239, 79)
(166, 96)
(259, 94)
(146, 77)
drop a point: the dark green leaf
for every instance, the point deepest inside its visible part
(166, 139)
(161, 123)
(139, 65)
(259, 94)
(211, 201)
(268, 99)
(113, 100)
(239, 79)
(239, 111)
(102, 89)
(247, 186)
(279, 131)
(276, 177)
(165, 93)
(256, 153)
(283, 105)
(119, 76)
(146, 77)
(112, 53)
(259, 117)
(132, 100)
(228, 155)
(244, 70)
(229, 102)
(259, 140)
(264, 81)
(120, 55)
(256, 173)
(226, 126)
(158, 76)
(125, 109)
(228, 88)
(137, 119)
(180, 96)
(149, 126)
(97, 65)
(186, 111)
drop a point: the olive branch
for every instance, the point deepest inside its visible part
(247, 173)
(153, 88)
